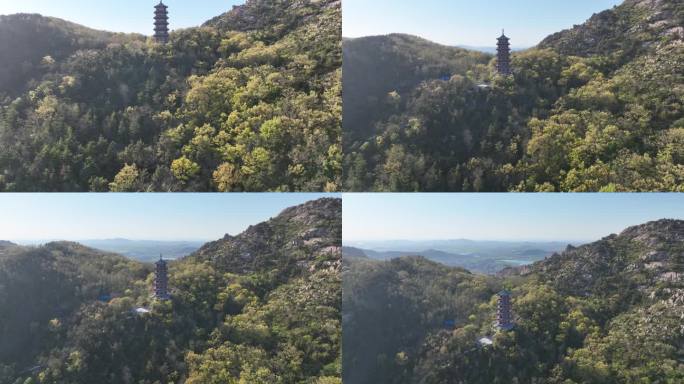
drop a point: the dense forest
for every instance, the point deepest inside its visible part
(250, 101)
(262, 307)
(608, 312)
(598, 107)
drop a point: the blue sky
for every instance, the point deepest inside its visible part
(122, 15)
(468, 22)
(176, 216)
(525, 217)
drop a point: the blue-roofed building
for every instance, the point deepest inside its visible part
(105, 298)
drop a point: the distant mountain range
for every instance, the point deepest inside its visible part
(487, 257)
(146, 250)
(140, 250)
(490, 50)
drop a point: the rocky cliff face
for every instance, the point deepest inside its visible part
(635, 25)
(640, 256)
(302, 238)
(259, 14)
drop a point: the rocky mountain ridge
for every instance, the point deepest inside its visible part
(259, 14)
(305, 237)
(635, 25)
(644, 254)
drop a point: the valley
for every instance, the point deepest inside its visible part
(604, 312)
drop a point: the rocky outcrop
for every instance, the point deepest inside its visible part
(635, 25)
(302, 238)
(259, 14)
(639, 256)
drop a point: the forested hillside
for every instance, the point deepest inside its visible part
(605, 312)
(250, 101)
(389, 307)
(594, 108)
(260, 307)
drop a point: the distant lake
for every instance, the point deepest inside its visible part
(517, 262)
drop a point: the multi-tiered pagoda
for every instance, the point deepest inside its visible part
(161, 23)
(161, 280)
(503, 63)
(504, 313)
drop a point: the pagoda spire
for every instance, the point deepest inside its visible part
(503, 57)
(504, 313)
(161, 23)
(161, 280)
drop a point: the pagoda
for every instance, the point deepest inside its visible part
(504, 314)
(503, 62)
(161, 280)
(161, 23)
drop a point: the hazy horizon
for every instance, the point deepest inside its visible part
(126, 16)
(44, 241)
(461, 22)
(160, 216)
(535, 217)
(478, 256)
(502, 241)
(140, 250)
(491, 49)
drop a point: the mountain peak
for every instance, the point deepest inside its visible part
(312, 211)
(650, 5)
(31, 37)
(653, 236)
(299, 237)
(635, 25)
(257, 14)
(649, 252)
(673, 230)
(6, 245)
